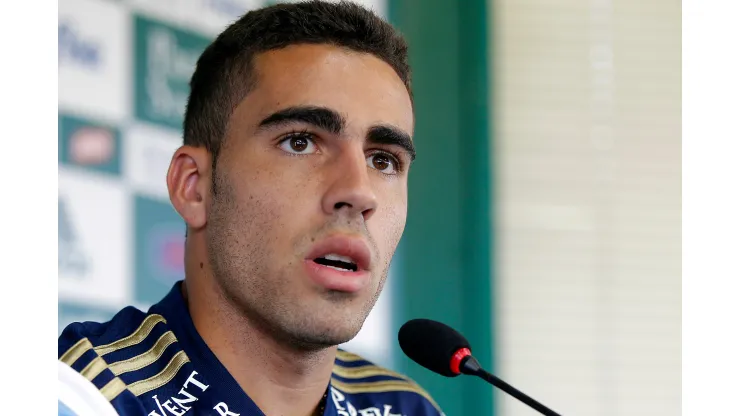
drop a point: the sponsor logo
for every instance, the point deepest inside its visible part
(159, 248)
(186, 399)
(89, 145)
(148, 153)
(165, 60)
(94, 48)
(94, 238)
(346, 408)
(189, 396)
(76, 49)
(167, 248)
(72, 258)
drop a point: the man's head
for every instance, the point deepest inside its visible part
(297, 148)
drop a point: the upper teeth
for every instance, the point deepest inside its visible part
(337, 257)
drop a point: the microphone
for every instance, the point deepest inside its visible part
(439, 348)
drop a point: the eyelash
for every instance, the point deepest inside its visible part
(304, 134)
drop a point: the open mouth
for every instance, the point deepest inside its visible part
(337, 262)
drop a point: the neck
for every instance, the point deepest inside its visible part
(280, 379)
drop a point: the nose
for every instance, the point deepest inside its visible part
(350, 188)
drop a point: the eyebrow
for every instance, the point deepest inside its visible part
(389, 135)
(323, 118)
(333, 122)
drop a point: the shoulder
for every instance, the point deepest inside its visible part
(111, 354)
(358, 383)
(125, 328)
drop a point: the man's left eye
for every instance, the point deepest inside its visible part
(382, 162)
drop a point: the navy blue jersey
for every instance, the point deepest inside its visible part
(156, 364)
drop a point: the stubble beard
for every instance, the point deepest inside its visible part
(237, 239)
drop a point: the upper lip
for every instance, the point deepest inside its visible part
(352, 247)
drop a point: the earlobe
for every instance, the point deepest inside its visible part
(188, 182)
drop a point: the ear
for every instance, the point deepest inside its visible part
(189, 184)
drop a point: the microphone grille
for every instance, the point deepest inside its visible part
(431, 344)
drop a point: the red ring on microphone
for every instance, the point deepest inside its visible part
(457, 359)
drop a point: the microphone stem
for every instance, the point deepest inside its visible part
(471, 366)
(534, 404)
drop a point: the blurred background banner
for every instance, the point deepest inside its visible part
(544, 207)
(123, 82)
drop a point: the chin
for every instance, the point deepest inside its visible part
(312, 340)
(327, 331)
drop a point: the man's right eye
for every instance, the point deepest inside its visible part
(299, 144)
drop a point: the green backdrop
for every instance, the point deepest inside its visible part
(445, 256)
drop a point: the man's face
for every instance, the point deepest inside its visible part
(310, 192)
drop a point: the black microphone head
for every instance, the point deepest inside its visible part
(431, 344)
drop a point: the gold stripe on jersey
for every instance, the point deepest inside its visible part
(365, 371)
(75, 352)
(113, 388)
(348, 356)
(164, 376)
(385, 386)
(136, 337)
(140, 361)
(95, 367)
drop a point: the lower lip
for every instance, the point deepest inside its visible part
(343, 281)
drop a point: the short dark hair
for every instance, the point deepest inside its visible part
(224, 72)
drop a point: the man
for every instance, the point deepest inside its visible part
(293, 184)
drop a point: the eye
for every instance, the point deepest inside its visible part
(383, 162)
(299, 144)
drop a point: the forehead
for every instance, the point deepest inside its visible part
(360, 86)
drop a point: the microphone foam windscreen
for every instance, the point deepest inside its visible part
(431, 344)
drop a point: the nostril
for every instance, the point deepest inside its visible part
(340, 205)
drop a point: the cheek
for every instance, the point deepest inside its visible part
(387, 227)
(281, 202)
(265, 206)
(252, 201)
